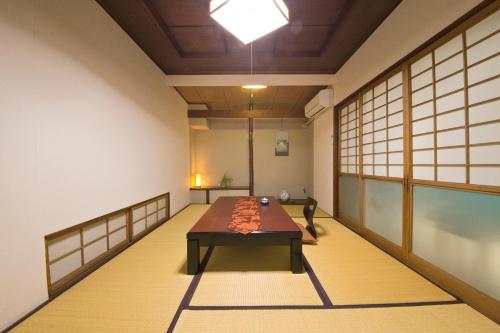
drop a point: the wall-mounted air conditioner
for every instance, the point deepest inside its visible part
(320, 102)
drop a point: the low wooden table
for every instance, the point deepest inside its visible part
(211, 230)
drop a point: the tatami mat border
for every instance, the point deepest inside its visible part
(316, 307)
(315, 281)
(327, 303)
(191, 289)
(184, 305)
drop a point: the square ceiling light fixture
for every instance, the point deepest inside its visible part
(249, 19)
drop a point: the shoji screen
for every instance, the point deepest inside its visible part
(455, 113)
(70, 252)
(382, 150)
(349, 161)
(426, 187)
(383, 128)
(147, 214)
(456, 108)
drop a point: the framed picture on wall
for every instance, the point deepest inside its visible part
(281, 147)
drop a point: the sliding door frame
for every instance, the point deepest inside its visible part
(477, 299)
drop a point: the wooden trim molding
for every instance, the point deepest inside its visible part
(485, 304)
(392, 248)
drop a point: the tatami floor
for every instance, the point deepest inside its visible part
(348, 285)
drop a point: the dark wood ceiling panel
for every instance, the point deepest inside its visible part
(262, 46)
(200, 41)
(181, 37)
(184, 12)
(316, 12)
(301, 41)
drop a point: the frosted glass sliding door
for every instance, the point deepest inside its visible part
(384, 209)
(459, 232)
(349, 197)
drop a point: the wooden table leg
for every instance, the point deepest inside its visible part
(193, 256)
(296, 255)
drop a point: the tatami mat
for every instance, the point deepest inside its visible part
(253, 276)
(296, 211)
(353, 271)
(138, 291)
(458, 318)
(141, 289)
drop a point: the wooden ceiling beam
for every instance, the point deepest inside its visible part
(241, 79)
(245, 114)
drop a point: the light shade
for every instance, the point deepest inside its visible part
(197, 180)
(254, 86)
(249, 19)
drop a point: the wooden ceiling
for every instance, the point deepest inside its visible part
(233, 102)
(181, 37)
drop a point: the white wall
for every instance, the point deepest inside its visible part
(275, 173)
(87, 126)
(221, 149)
(323, 161)
(224, 149)
(411, 24)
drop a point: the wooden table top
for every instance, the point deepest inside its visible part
(273, 218)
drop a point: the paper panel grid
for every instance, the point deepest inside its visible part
(349, 141)
(455, 108)
(383, 126)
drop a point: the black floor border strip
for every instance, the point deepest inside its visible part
(316, 283)
(394, 305)
(256, 307)
(315, 307)
(190, 290)
(327, 303)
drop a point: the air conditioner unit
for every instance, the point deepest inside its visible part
(320, 102)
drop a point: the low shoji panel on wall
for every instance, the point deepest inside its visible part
(147, 214)
(455, 108)
(71, 251)
(382, 128)
(74, 251)
(349, 141)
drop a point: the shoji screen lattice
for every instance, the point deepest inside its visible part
(383, 128)
(437, 208)
(349, 141)
(455, 108)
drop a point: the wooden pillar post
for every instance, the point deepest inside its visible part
(250, 155)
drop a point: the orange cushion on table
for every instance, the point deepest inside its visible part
(306, 235)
